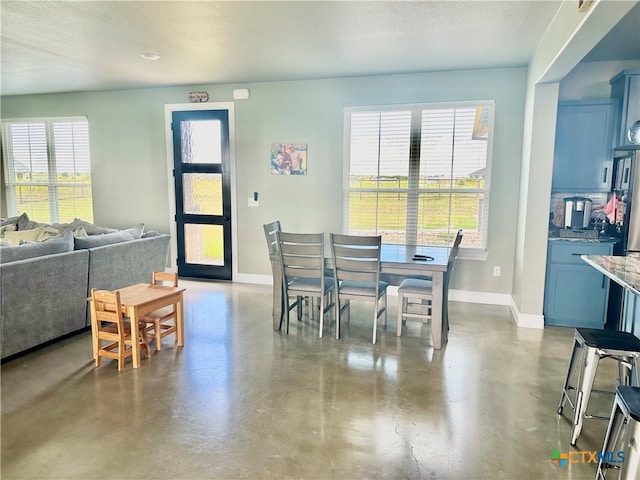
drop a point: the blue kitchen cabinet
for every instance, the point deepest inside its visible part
(625, 91)
(630, 321)
(583, 156)
(576, 294)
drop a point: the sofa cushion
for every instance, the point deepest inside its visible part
(133, 233)
(37, 249)
(27, 235)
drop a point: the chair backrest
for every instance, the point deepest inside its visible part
(301, 255)
(165, 278)
(356, 258)
(106, 308)
(270, 230)
(453, 254)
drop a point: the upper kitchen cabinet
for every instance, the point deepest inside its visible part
(625, 90)
(583, 160)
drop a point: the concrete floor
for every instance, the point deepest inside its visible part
(241, 401)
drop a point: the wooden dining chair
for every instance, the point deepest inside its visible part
(108, 325)
(302, 264)
(356, 274)
(415, 295)
(162, 322)
(270, 230)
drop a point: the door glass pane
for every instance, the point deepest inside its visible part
(204, 244)
(202, 193)
(201, 141)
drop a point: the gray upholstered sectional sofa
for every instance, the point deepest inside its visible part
(44, 297)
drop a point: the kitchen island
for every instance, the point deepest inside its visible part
(625, 271)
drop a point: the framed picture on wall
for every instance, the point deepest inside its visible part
(288, 159)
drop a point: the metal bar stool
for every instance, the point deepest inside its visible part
(589, 347)
(625, 414)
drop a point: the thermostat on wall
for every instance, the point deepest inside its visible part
(240, 94)
(198, 97)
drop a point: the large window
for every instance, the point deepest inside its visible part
(47, 169)
(418, 174)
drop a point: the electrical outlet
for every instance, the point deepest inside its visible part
(496, 271)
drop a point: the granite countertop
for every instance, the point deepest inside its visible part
(590, 240)
(554, 235)
(624, 270)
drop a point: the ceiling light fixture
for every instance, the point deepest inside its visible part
(150, 56)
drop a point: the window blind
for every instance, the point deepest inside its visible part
(418, 174)
(48, 169)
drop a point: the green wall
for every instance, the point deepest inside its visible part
(129, 164)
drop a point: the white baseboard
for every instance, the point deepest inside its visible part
(526, 320)
(251, 278)
(454, 295)
(480, 297)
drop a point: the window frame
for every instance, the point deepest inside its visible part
(53, 185)
(473, 253)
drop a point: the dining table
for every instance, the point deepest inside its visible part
(397, 262)
(143, 298)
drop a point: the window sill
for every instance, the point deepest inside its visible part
(473, 254)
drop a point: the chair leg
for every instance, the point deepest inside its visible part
(299, 301)
(338, 316)
(321, 312)
(613, 432)
(585, 385)
(384, 305)
(375, 321)
(630, 469)
(121, 348)
(158, 335)
(570, 371)
(624, 370)
(145, 342)
(400, 313)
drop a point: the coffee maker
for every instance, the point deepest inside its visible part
(577, 212)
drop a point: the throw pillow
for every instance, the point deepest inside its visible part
(10, 227)
(36, 249)
(28, 235)
(11, 221)
(48, 232)
(92, 241)
(77, 231)
(90, 228)
(25, 224)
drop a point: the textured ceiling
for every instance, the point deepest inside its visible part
(96, 45)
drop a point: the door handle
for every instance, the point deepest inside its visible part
(604, 176)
